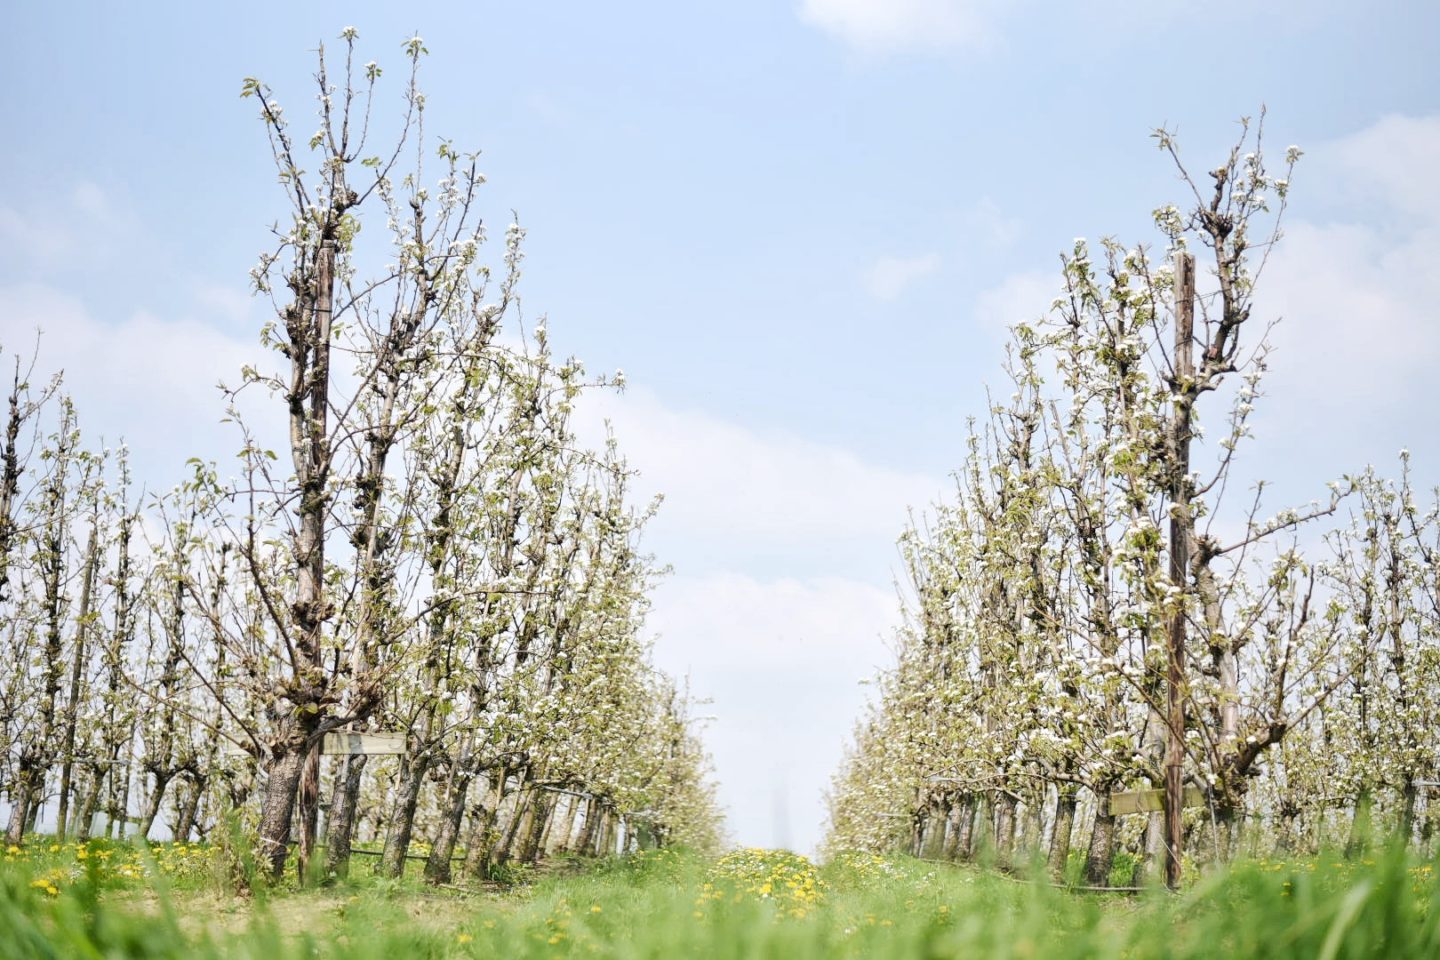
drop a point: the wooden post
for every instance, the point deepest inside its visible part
(1179, 558)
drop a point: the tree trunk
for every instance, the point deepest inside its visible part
(1101, 855)
(564, 829)
(963, 844)
(1226, 831)
(90, 803)
(513, 827)
(934, 839)
(1360, 824)
(541, 809)
(1152, 846)
(304, 707)
(1407, 814)
(1060, 836)
(982, 834)
(437, 868)
(481, 839)
(77, 673)
(120, 808)
(605, 844)
(1005, 828)
(553, 825)
(185, 818)
(586, 844)
(402, 814)
(282, 782)
(152, 804)
(19, 807)
(340, 832)
(1032, 834)
(307, 797)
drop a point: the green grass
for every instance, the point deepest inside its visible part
(750, 904)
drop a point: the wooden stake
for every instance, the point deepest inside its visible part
(1179, 561)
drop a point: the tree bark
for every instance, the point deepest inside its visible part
(586, 844)
(282, 782)
(513, 827)
(185, 817)
(89, 803)
(19, 807)
(1100, 856)
(402, 814)
(77, 666)
(1407, 814)
(1151, 849)
(1005, 828)
(562, 832)
(934, 837)
(541, 809)
(152, 803)
(1060, 837)
(481, 838)
(308, 325)
(308, 800)
(1361, 829)
(344, 799)
(964, 842)
(452, 816)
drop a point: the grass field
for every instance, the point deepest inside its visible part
(104, 900)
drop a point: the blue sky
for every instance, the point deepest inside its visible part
(800, 227)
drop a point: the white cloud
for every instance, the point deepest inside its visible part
(888, 26)
(1358, 308)
(889, 277)
(1392, 162)
(147, 380)
(78, 226)
(780, 662)
(738, 492)
(989, 225)
(1359, 338)
(1019, 298)
(1356, 292)
(88, 199)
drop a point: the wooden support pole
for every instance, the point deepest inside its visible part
(1179, 561)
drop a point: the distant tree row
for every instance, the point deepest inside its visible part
(413, 540)
(1100, 603)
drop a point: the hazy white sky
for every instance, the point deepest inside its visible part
(800, 227)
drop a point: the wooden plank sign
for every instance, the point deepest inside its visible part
(366, 744)
(1150, 801)
(343, 743)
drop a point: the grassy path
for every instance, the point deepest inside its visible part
(57, 902)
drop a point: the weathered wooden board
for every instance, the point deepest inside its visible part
(1150, 801)
(342, 743)
(367, 744)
